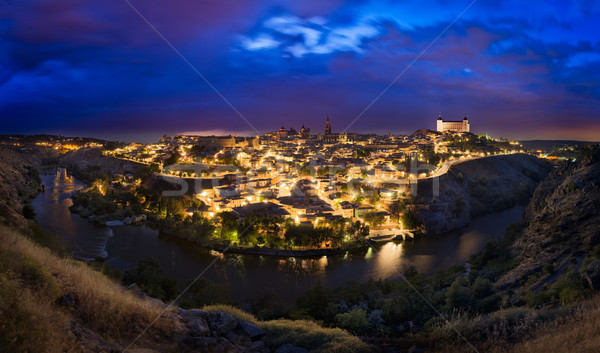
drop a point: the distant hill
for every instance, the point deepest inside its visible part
(547, 145)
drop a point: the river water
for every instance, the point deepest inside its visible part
(249, 275)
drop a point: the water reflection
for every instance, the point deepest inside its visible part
(388, 260)
(249, 275)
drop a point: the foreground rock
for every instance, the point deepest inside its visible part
(220, 332)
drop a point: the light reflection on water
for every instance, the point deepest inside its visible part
(388, 260)
(248, 275)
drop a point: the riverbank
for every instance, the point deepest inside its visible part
(219, 246)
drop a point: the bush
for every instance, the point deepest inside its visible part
(151, 280)
(535, 299)
(354, 321)
(410, 220)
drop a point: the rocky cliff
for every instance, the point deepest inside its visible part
(89, 163)
(477, 187)
(18, 184)
(563, 221)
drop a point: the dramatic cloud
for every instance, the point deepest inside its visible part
(520, 69)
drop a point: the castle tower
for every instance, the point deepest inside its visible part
(466, 126)
(327, 126)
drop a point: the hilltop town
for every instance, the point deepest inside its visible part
(339, 187)
(310, 178)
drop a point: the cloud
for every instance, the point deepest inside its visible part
(299, 37)
(262, 41)
(582, 59)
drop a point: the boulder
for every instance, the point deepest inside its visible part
(222, 323)
(194, 314)
(288, 348)
(252, 329)
(257, 346)
(204, 342)
(199, 327)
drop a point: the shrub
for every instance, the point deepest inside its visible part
(354, 321)
(150, 278)
(535, 299)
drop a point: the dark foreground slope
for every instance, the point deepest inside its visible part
(551, 282)
(477, 187)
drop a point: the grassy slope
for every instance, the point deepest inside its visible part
(105, 317)
(32, 281)
(577, 333)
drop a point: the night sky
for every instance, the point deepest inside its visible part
(519, 69)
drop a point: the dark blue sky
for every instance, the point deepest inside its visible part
(520, 69)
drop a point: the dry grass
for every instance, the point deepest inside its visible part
(28, 323)
(313, 337)
(301, 333)
(239, 314)
(100, 304)
(574, 328)
(579, 332)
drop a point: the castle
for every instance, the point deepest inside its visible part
(453, 125)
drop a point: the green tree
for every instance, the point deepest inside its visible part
(354, 321)
(482, 287)
(396, 208)
(459, 294)
(410, 220)
(374, 219)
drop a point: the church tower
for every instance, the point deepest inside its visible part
(327, 126)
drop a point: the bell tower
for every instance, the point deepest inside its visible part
(327, 126)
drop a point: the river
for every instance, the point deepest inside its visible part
(249, 275)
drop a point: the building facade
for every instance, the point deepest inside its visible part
(453, 125)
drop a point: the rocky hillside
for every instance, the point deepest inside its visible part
(563, 222)
(477, 187)
(87, 164)
(18, 183)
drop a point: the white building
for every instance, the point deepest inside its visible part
(454, 126)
